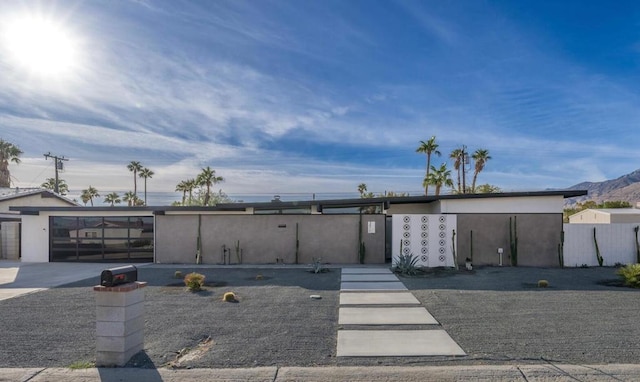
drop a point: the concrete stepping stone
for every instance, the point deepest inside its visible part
(369, 277)
(396, 343)
(371, 285)
(365, 270)
(385, 316)
(399, 298)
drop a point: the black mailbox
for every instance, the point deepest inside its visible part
(120, 275)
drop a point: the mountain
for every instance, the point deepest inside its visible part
(625, 188)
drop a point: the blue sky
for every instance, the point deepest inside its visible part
(319, 96)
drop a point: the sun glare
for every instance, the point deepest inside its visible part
(40, 46)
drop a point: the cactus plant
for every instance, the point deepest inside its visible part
(561, 250)
(598, 255)
(636, 229)
(297, 243)
(453, 249)
(238, 252)
(513, 240)
(471, 245)
(229, 297)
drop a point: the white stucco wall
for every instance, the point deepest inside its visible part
(510, 205)
(498, 205)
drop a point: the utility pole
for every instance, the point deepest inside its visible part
(58, 165)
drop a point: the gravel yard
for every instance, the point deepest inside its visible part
(497, 315)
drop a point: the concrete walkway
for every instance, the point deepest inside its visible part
(372, 298)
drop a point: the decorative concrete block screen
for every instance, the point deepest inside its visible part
(428, 237)
(617, 244)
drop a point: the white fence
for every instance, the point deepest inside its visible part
(616, 242)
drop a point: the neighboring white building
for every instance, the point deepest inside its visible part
(606, 216)
(10, 220)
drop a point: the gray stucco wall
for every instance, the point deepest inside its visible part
(538, 238)
(265, 238)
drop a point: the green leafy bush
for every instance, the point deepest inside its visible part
(194, 281)
(630, 275)
(406, 265)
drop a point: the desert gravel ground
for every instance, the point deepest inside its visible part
(497, 315)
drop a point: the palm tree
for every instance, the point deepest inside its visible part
(362, 188)
(184, 188)
(429, 147)
(84, 197)
(91, 193)
(50, 184)
(480, 156)
(135, 167)
(456, 155)
(88, 195)
(8, 153)
(208, 178)
(112, 198)
(146, 173)
(439, 177)
(130, 198)
(191, 184)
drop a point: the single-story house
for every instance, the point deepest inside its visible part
(606, 216)
(438, 229)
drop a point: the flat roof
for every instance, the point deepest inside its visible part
(334, 203)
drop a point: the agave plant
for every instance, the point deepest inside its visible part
(406, 265)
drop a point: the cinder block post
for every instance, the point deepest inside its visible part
(119, 322)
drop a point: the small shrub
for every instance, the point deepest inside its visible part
(584, 266)
(630, 275)
(406, 265)
(178, 275)
(259, 277)
(229, 297)
(316, 266)
(194, 281)
(543, 283)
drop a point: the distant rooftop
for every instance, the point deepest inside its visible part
(4, 191)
